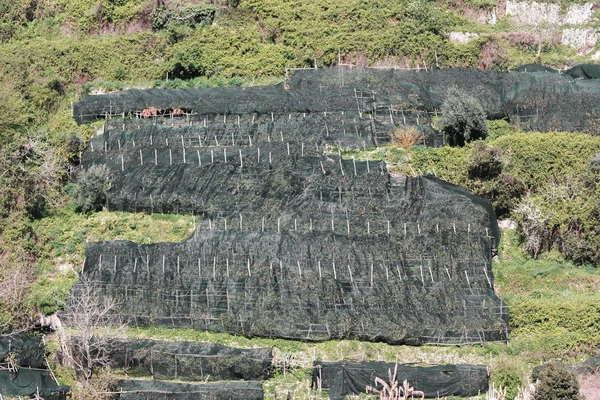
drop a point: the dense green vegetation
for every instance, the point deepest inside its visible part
(546, 182)
(55, 51)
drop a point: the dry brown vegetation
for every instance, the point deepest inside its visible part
(406, 137)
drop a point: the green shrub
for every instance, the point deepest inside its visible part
(463, 118)
(507, 374)
(94, 183)
(556, 383)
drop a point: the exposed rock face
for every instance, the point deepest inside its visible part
(534, 13)
(582, 39)
(462, 37)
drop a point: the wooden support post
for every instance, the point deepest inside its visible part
(371, 274)
(341, 166)
(115, 265)
(278, 222)
(467, 276)
(177, 265)
(249, 271)
(214, 267)
(350, 272)
(163, 265)
(155, 157)
(227, 267)
(225, 153)
(141, 158)
(134, 264)
(334, 272)
(184, 160)
(122, 163)
(170, 157)
(486, 275)
(354, 164)
(299, 269)
(199, 159)
(319, 266)
(241, 159)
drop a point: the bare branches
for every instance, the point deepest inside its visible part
(91, 318)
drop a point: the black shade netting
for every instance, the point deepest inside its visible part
(341, 379)
(189, 361)
(139, 389)
(29, 382)
(22, 350)
(545, 101)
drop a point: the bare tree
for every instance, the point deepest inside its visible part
(91, 320)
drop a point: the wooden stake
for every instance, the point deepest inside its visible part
(334, 272)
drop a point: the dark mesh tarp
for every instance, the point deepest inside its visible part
(190, 361)
(535, 100)
(535, 68)
(407, 264)
(27, 382)
(24, 350)
(162, 390)
(292, 240)
(350, 378)
(588, 366)
(584, 71)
